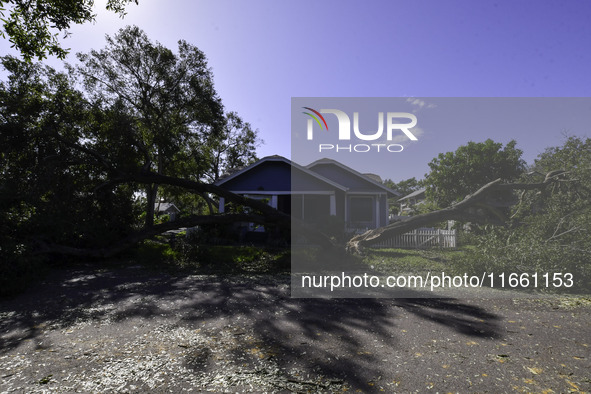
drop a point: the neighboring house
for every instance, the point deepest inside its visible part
(166, 208)
(409, 202)
(314, 192)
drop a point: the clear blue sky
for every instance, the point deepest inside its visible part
(264, 52)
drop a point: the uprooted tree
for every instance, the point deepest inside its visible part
(72, 165)
(549, 228)
(72, 162)
(486, 205)
(538, 223)
(454, 175)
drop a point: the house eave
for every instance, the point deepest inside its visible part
(356, 173)
(284, 160)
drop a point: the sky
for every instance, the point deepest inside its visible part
(264, 52)
(442, 123)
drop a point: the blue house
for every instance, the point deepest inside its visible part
(314, 192)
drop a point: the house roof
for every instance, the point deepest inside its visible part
(413, 194)
(165, 206)
(359, 175)
(277, 158)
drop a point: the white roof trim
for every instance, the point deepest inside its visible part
(352, 171)
(413, 194)
(157, 205)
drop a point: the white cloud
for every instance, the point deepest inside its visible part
(400, 138)
(419, 104)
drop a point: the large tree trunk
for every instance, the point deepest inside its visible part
(479, 207)
(266, 215)
(151, 193)
(133, 239)
(476, 207)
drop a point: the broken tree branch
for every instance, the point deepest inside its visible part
(473, 208)
(132, 239)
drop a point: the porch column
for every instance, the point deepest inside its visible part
(333, 205)
(377, 211)
(222, 205)
(274, 201)
(346, 210)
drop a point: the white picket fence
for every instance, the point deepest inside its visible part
(420, 238)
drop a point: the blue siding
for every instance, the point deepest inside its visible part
(270, 175)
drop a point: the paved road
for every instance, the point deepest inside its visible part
(132, 330)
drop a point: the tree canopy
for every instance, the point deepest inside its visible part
(169, 96)
(48, 190)
(33, 27)
(404, 187)
(549, 228)
(74, 161)
(456, 174)
(234, 147)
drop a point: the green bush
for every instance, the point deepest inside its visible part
(189, 255)
(155, 253)
(550, 227)
(529, 250)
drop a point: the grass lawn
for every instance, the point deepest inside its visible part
(226, 259)
(415, 261)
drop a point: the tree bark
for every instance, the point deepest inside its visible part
(268, 216)
(150, 202)
(133, 239)
(473, 208)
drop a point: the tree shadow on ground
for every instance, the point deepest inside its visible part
(348, 339)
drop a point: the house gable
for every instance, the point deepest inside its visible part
(351, 179)
(268, 175)
(277, 174)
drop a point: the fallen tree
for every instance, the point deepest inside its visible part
(482, 206)
(263, 214)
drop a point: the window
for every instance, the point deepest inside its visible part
(310, 207)
(361, 209)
